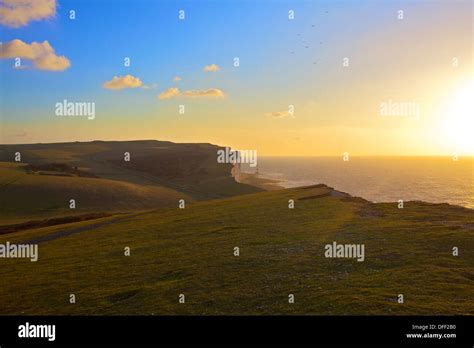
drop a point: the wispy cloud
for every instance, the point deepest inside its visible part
(42, 54)
(17, 13)
(211, 68)
(177, 79)
(152, 86)
(122, 82)
(206, 93)
(278, 114)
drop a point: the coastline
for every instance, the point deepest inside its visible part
(269, 184)
(381, 179)
(256, 180)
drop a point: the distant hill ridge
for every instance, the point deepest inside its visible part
(105, 176)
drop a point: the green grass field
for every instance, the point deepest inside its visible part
(190, 251)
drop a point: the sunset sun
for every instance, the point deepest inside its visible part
(458, 123)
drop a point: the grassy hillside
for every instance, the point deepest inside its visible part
(188, 168)
(190, 251)
(96, 175)
(30, 196)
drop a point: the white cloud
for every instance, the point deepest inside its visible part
(207, 93)
(211, 68)
(177, 78)
(152, 86)
(17, 13)
(41, 54)
(122, 82)
(169, 93)
(279, 114)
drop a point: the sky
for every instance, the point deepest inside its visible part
(314, 77)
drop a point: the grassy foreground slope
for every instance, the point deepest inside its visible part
(190, 251)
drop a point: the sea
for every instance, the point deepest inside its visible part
(378, 179)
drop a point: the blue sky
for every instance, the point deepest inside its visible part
(388, 59)
(161, 46)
